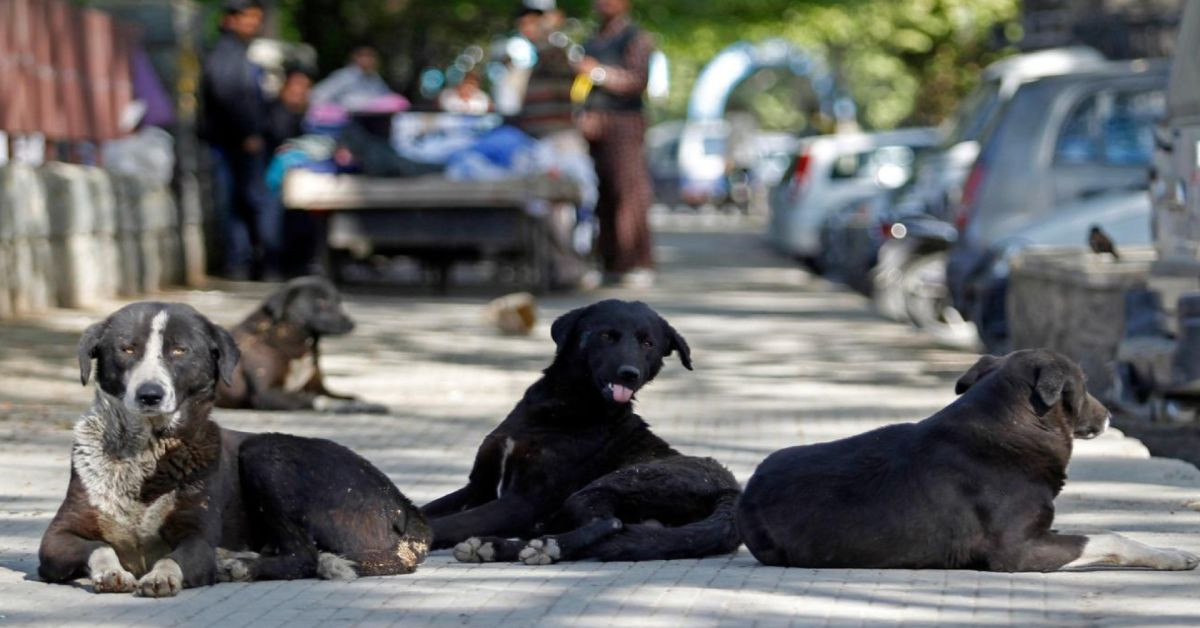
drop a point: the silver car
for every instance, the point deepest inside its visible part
(831, 171)
(1061, 142)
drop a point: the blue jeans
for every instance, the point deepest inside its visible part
(250, 227)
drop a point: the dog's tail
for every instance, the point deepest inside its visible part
(716, 534)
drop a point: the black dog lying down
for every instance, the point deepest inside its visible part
(280, 344)
(574, 466)
(156, 487)
(971, 487)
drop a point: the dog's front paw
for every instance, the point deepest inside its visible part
(540, 552)
(1177, 560)
(235, 566)
(334, 567)
(165, 580)
(475, 550)
(115, 580)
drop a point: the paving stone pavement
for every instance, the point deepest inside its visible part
(781, 359)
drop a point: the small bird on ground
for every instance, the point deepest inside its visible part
(1101, 243)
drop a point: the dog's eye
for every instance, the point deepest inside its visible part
(608, 336)
(178, 351)
(127, 349)
(647, 343)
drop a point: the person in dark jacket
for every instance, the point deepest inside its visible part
(235, 124)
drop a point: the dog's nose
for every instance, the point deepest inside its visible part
(629, 373)
(150, 394)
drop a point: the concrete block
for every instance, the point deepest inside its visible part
(73, 240)
(25, 228)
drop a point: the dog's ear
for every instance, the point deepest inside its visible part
(675, 342)
(564, 326)
(1055, 382)
(985, 365)
(277, 302)
(1048, 384)
(89, 342)
(226, 351)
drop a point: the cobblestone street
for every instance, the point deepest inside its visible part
(781, 358)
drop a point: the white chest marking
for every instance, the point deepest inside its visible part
(113, 480)
(509, 445)
(299, 372)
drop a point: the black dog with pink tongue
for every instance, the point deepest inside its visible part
(573, 473)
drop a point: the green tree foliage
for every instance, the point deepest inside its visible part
(903, 61)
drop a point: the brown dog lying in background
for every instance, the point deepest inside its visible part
(280, 367)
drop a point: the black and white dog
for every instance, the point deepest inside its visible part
(280, 343)
(576, 474)
(157, 488)
(971, 487)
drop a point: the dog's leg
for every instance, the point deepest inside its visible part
(448, 504)
(566, 546)
(107, 573)
(276, 399)
(65, 554)
(193, 563)
(1108, 549)
(340, 405)
(510, 515)
(1091, 550)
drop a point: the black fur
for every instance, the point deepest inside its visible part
(573, 462)
(285, 497)
(971, 487)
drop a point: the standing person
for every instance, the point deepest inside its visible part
(546, 108)
(285, 114)
(618, 63)
(234, 126)
(285, 120)
(355, 85)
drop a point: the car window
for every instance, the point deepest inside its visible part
(974, 115)
(1111, 127)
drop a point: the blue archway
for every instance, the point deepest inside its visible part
(739, 61)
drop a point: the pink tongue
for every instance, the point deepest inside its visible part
(621, 394)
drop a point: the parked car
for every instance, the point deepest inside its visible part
(830, 171)
(937, 184)
(1078, 144)
(908, 280)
